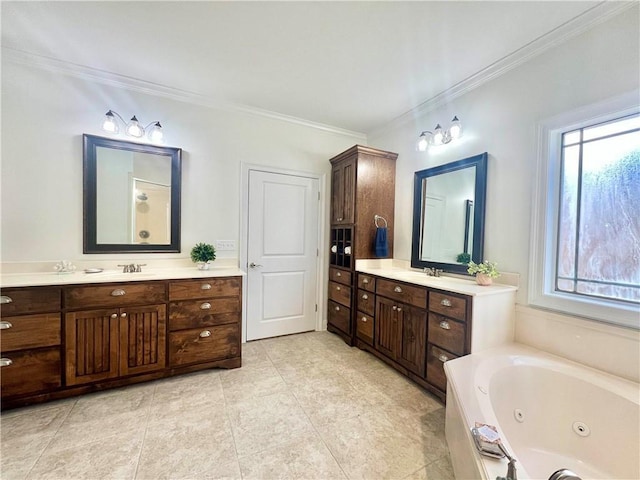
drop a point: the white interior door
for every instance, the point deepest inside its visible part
(282, 249)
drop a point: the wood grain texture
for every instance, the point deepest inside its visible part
(194, 314)
(366, 302)
(412, 339)
(448, 304)
(205, 288)
(435, 367)
(28, 300)
(190, 346)
(451, 338)
(31, 331)
(402, 292)
(32, 371)
(386, 327)
(143, 333)
(339, 317)
(340, 293)
(367, 282)
(340, 276)
(364, 327)
(99, 295)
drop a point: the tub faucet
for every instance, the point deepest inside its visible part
(511, 471)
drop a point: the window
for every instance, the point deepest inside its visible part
(586, 230)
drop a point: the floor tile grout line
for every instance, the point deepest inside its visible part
(233, 435)
(146, 429)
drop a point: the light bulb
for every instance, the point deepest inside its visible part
(455, 130)
(423, 142)
(109, 124)
(155, 133)
(134, 129)
(438, 136)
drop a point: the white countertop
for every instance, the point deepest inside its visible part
(450, 284)
(34, 279)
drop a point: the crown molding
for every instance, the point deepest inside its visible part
(104, 77)
(577, 25)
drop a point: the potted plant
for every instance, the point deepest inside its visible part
(463, 258)
(203, 254)
(485, 272)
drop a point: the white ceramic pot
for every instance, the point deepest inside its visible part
(203, 265)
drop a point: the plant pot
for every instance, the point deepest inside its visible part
(484, 280)
(203, 265)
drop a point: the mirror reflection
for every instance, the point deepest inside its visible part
(132, 197)
(448, 227)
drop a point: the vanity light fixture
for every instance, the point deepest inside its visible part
(440, 136)
(132, 128)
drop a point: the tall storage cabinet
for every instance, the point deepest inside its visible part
(362, 186)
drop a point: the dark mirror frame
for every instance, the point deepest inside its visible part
(90, 245)
(480, 163)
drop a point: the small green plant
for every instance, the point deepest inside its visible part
(463, 258)
(203, 252)
(486, 268)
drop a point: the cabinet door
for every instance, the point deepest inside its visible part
(91, 346)
(343, 177)
(143, 333)
(386, 325)
(413, 338)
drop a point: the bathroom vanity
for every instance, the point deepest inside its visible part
(415, 323)
(67, 335)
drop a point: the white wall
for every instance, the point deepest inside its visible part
(44, 115)
(500, 117)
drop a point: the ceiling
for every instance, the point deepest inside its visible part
(351, 65)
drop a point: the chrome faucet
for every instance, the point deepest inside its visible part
(132, 267)
(511, 467)
(432, 272)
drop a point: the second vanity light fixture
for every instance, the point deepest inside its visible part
(133, 127)
(440, 136)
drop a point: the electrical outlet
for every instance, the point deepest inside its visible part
(225, 245)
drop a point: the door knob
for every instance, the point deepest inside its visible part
(254, 265)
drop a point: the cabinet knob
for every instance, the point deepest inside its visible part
(365, 297)
(205, 306)
(205, 333)
(5, 362)
(445, 325)
(118, 293)
(399, 309)
(365, 280)
(205, 286)
(394, 307)
(443, 358)
(364, 319)
(4, 299)
(4, 325)
(338, 274)
(123, 315)
(397, 289)
(334, 249)
(338, 289)
(339, 219)
(445, 302)
(337, 308)
(114, 315)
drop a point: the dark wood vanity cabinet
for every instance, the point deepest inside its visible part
(362, 186)
(68, 340)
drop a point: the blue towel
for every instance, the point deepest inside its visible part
(381, 247)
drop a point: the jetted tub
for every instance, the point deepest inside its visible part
(551, 413)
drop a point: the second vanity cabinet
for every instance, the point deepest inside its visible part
(416, 328)
(71, 339)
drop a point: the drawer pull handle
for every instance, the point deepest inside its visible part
(445, 325)
(205, 334)
(365, 297)
(4, 299)
(114, 315)
(123, 315)
(338, 289)
(5, 325)
(5, 362)
(365, 280)
(443, 358)
(337, 309)
(338, 274)
(205, 306)
(205, 286)
(364, 319)
(397, 289)
(118, 293)
(445, 303)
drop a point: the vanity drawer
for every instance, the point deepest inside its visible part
(366, 282)
(30, 331)
(364, 327)
(115, 295)
(202, 313)
(340, 293)
(402, 292)
(205, 288)
(340, 276)
(198, 345)
(446, 333)
(339, 316)
(448, 304)
(31, 371)
(435, 366)
(366, 302)
(17, 301)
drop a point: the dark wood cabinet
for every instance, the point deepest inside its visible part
(362, 186)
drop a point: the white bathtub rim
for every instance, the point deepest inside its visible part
(470, 377)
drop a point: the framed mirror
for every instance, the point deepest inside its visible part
(448, 215)
(131, 196)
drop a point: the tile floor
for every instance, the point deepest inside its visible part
(301, 407)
